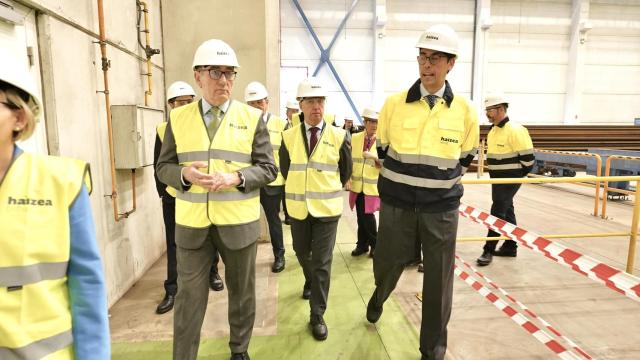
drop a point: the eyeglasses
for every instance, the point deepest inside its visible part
(492, 108)
(433, 59)
(216, 74)
(179, 103)
(10, 105)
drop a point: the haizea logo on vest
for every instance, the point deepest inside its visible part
(29, 202)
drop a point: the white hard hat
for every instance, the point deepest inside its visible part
(215, 52)
(292, 104)
(370, 114)
(311, 87)
(495, 98)
(179, 88)
(16, 73)
(439, 37)
(255, 91)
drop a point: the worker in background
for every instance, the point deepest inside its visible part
(350, 127)
(256, 95)
(179, 93)
(217, 154)
(430, 136)
(53, 302)
(509, 155)
(292, 108)
(315, 160)
(363, 185)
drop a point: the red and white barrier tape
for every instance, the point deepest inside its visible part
(525, 309)
(613, 278)
(516, 316)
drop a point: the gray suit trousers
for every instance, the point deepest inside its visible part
(193, 293)
(398, 233)
(313, 242)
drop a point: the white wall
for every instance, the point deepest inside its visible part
(527, 52)
(75, 118)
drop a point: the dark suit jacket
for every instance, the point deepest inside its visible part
(345, 165)
(262, 172)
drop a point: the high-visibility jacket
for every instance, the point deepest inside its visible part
(35, 310)
(509, 150)
(229, 151)
(313, 183)
(162, 127)
(364, 178)
(295, 118)
(428, 150)
(276, 126)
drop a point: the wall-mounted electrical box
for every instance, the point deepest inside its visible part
(134, 133)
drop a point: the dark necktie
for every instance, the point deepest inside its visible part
(313, 139)
(431, 100)
(367, 143)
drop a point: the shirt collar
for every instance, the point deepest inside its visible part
(319, 126)
(503, 122)
(415, 93)
(424, 92)
(206, 106)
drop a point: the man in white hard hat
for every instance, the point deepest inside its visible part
(256, 95)
(178, 94)
(428, 137)
(509, 155)
(216, 152)
(315, 159)
(292, 108)
(363, 185)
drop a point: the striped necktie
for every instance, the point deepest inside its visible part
(212, 128)
(431, 100)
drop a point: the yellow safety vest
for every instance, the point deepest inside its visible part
(428, 149)
(229, 151)
(364, 178)
(162, 127)
(509, 150)
(35, 311)
(276, 126)
(313, 183)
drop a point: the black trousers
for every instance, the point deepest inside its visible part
(502, 207)
(169, 217)
(399, 231)
(271, 205)
(367, 227)
(313, 242)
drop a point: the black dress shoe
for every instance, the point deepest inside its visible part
(318, 327)
(278, 265)
(287, 221)
(306, 291)
(240, 356)
(215, 282)
(358, 251)
(485, 259)
(373, 312)
(166, 304)
(507, 252)
(420, 268)
(371, 252)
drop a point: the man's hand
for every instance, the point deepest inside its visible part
(347, 186)
(223, 181)
(193, 174)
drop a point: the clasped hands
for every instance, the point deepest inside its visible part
(213, 182)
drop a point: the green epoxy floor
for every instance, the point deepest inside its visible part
(350, 335)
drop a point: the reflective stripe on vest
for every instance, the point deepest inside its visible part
(276, 126)
(364, 178)
(228, 152)
(161, 129)
(35, 197)
(313, 185)
(508, 149)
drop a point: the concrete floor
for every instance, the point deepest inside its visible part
(601, 321)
